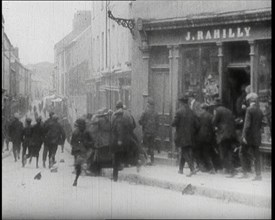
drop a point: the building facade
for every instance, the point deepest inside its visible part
(211, 49)
(110, 78)
(73, 64)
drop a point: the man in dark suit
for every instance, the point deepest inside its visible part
(223, 122)
(251, 136)
(206, 138)
(186, 125)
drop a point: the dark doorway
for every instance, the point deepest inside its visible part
(238, 79)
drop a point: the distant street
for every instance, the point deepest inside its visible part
(97, 197)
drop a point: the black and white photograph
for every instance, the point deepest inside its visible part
(136, 109)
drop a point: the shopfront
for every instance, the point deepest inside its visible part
(214, 57)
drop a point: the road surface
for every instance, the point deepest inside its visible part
(54, 197)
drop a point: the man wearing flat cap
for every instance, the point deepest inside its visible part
(149, 121)
(251, 135)
(186, 125)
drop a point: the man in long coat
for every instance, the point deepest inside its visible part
(54, 135)
(206, 138)
(123, 140)
(149, 121)
(186, 125)
(15, 134)
(251, 136)
(224, 124)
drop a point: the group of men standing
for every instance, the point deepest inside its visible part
(200, 134)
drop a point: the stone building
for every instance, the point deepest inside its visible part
(110, 78)
(73, 64)
(179, 45)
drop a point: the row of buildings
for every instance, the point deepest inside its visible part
(16, 78)
(130, 50)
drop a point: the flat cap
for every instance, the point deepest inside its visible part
(119, 104)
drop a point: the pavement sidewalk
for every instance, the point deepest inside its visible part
(245, 191)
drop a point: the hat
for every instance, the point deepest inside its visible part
(183, 98)
(51, 114)
(80, 123)
(28, 120)
(252, 97)
(204, 106)
(119, 104)
(150, 101)
(38, 119)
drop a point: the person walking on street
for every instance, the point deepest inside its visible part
(251, 136)
(149, 121)
(54, 135)
(81, 143)
(224, 125)
(15, 133)
(68, 131)
(46, 148)
(122, 139)
(195, 106)
(206, 138)
(186, 125)
(36, 140)
(26, 137)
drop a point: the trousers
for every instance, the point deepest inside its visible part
(186, 155)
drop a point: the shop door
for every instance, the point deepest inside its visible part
(160, 91)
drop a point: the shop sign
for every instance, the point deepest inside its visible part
(223, 33)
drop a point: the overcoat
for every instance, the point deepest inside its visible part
(224, 121)
(15, 131)
(122, 127)
(253, 125)
(53, 133)
(187, 125)
(37, 138)
(206, 132)
(149, 121)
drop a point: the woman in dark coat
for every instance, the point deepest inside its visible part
(36, 139)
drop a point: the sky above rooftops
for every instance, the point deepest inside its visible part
(35, 26)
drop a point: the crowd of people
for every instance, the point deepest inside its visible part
(205, 135)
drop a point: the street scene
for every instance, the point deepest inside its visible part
(136, 109)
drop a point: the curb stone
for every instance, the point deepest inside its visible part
(225, 195)
(228, 196)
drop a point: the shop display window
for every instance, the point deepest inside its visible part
(200, 72)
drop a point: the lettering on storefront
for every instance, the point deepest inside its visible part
(225, 33)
